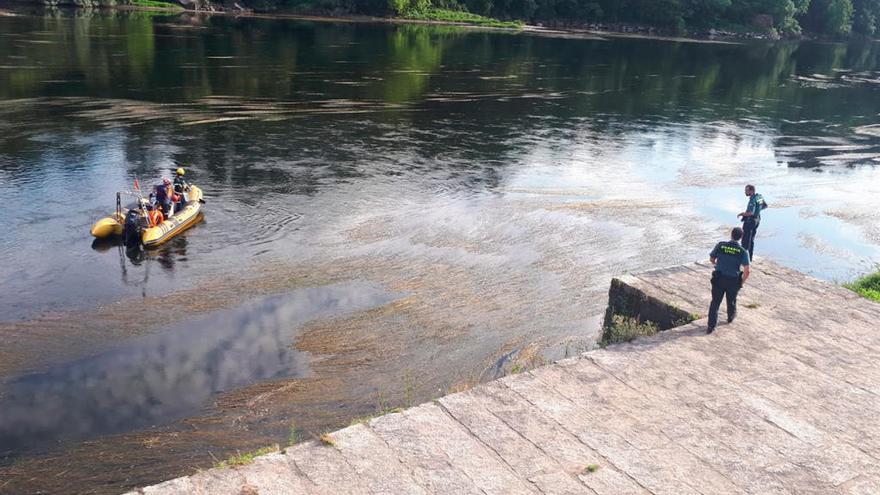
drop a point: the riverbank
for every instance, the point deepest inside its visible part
(440, 17)
(755, 407)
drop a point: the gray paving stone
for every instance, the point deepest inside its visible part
(440, 434)
(273, 474)
(375, 462)
(520, 454)
(326, 468)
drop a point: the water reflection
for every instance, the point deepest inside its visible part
(294, 129)
(171, 375)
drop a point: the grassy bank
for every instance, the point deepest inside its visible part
(444, 15)
(867, 286)
(155, 4)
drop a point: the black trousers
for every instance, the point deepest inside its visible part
(723, 287)
(750, 228)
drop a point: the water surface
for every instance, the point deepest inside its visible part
(171, 375)
(294, 128)
(499, 180)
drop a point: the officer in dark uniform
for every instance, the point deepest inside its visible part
(728, 257)
(751, 218)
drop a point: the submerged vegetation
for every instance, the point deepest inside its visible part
(867, 286)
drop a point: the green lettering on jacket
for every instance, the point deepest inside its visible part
(732, 250)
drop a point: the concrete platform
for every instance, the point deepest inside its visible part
(784, 400)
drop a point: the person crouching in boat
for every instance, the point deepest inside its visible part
(154, 215)
(180, 188)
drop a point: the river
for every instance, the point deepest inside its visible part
(393, 212)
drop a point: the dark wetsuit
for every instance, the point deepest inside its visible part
(163, 199)
(180, 187)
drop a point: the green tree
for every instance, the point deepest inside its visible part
(704, 12)
(865, 16)
(831, 17)
(782, 12)
(408, 7)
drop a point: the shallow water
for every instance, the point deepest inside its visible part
(498, 180)
(170, 375)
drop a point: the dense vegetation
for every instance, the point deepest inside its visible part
(867, 286)
(787, 17)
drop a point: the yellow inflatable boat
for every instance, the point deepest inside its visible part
(115, 224)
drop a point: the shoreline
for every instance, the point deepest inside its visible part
(590, 31)
(624, 30)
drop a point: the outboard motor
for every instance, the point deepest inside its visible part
(133, 228)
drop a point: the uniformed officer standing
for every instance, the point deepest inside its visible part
(728, 257)
(751, 218)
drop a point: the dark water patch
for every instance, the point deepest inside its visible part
(165, 377)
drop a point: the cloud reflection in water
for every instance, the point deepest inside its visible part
(168, 376)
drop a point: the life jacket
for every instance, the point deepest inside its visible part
(156, 217)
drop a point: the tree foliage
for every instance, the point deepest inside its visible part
(834, 18)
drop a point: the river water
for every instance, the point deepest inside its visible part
(479, 187)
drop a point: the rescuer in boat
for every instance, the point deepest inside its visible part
(727, 279)
(180, 188)
(164, 193)
(150, 225)
(154, 214)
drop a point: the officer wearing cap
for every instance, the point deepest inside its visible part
(751, 218)
(728, 257)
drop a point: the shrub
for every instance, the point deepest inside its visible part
(867, 286)
(625, 329)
